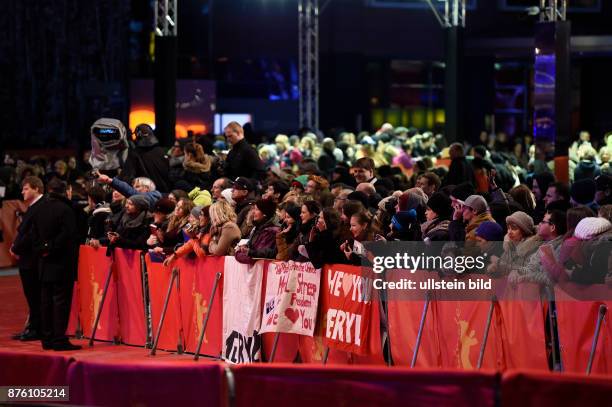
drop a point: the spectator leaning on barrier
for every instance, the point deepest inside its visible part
(173, 233)
(595, 235)
(289, 216)
(261, 243)
(224, 232)
(569, 255)
(520, 243)
(308, 218)
(132, 228)
(161, 212)
(323, 246)
(551, 230)
(99, 212)
(438, 214)
(143, 186)
(243, 194)
(199, 234)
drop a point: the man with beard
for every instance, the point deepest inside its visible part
(56, 248)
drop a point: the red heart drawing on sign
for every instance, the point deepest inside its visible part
(292, 314)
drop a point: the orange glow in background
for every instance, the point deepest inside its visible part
(146, 115)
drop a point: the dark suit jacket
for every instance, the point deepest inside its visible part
(23, 244)
(55, 242)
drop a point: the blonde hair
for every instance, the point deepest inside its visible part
(221, 212)
(235, 126)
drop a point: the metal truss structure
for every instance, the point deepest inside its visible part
(308, 48)
(166, 18)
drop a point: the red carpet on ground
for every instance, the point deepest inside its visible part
(119, 375)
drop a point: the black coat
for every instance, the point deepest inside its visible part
(23, 244)
(150, 162)
(54, 240)
(325, 249)
(243, 161)
(460, 171)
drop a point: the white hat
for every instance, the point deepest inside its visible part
(588, 228)
(227, 195)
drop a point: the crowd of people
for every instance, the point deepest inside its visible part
(311, 199)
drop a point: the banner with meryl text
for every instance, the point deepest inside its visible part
(292, 295)
(242, 311)
(347, 308)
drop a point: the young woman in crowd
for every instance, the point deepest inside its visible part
(225, 233)
(520, 243)
(173, 234)
(361, 231)
(308, 218)
(261, 243)
(289, 215)
(199, 235)
(324, 242)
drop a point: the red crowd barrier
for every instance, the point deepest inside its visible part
(452, 336)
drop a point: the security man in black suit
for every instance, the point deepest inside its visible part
(32, 189)
(56, 245)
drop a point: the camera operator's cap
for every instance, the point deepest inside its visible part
(244, 184)
(477, 203)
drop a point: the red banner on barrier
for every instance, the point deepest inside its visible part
(576, 321)
(347, 309)
(159, 278)
(94, 267)
(195, 304)
(404, 321)
(522, 328)
(461, 326)
(130, 297)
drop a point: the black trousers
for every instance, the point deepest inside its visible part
(55, 301)
(31, 288)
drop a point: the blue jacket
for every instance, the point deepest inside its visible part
(127, 190)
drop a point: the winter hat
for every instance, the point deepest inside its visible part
(417, 198)
(583, 191)
(477, 203)
(196, 211)
(588, 228)
(227, 195)
(244, 183)
(403, 201)
(300, 181)
(523, 221)
(267, 207)
(462, 191)
(140, 202)
(440, 203)
(490, 231)
(164, 205)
